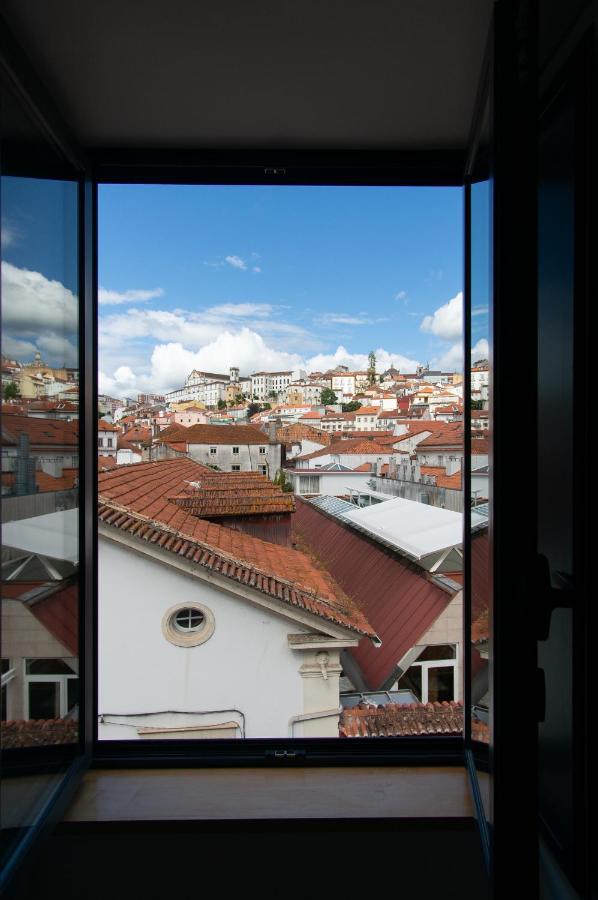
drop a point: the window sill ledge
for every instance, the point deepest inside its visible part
(392, 792)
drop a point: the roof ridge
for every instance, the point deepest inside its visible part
(294, 586)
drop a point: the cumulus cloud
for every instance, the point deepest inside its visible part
(236, 262)
(359, 361)
(38, 314)
(171, 362)
(452, 358)
(116, 298)
(31, 303)
(447, 322)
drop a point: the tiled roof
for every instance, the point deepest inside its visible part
(444, 438)
(442, 479)
(350, 446)
(292, 434)
(41, 432)
(480, 446)
(138, 435)
(11, 409)
(36, 732)
(367, 411)
(106, 462)
(312, 414)
(105, 426)
(46, 483)
(224, 434)
(286, 575)
(136, 499)
(60, 405)
(234, 494)
(176, 432)
(402, 720)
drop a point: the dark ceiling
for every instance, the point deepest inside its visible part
(362, 74)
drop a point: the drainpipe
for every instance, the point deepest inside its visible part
(307, 717)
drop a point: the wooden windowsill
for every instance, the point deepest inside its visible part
(121, 795)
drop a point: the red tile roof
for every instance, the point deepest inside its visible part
(106, 462)
(234, 494)
(359, 445)
(224, 434)
(444, 438)
(367, 411)
(135, 499)
(402, 720)
(106, 426)
(480, 446)
(138, 435)
(46, 483)
(442, 479)
(41, 432)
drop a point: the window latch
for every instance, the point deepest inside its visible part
(550, 598)
(285, 755)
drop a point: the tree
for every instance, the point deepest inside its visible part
(281, 481)
(221, 404)
(477, 404)
(252, 409)
(11, 391)
(352, 406)
(328, 397)
(372, 367)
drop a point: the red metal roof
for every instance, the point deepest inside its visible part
(400, 600)
(59, 613)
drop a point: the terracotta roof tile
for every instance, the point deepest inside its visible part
(287, 575)
(41, 432)
(224, 434)
(402, 720)
(105, 426)
(36, 732)
(234, 494)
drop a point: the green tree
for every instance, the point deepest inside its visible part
(221, 404)
(10, 392)
(477, 404)
(252, 409)
(281, 481)
(328, 397)
(353, 406)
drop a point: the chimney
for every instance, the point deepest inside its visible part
(272, 426)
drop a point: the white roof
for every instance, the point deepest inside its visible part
(417, 529)
(55, 535)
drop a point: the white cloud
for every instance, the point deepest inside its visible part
(116, 298)
(359, 361)
(32, 303)
(256, 269)
(236, 262)
(447, 321)
(244, 310)
(343, 319)
(479, 310)
(171, 362)
(481, 350)
(17, 349)
(453, 357)
(402, 295)
(58, 349)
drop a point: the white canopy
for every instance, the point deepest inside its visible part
(55, 535)
(417, 529)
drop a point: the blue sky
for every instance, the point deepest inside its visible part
(260, 277)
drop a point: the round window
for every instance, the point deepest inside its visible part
(188, 619)
(187, 625)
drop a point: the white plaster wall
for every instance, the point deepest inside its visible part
(248, 458)
(246, 664)
(335, 484)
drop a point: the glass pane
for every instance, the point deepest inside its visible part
(40, 455)
(437, 651)
(72, 692)
(412, 681)
(441, 684)
(44, 699)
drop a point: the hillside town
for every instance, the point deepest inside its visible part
(280, 553)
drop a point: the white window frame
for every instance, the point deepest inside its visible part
(427, 664)
(61, 680)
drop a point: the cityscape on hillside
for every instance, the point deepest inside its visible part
(318, 513)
